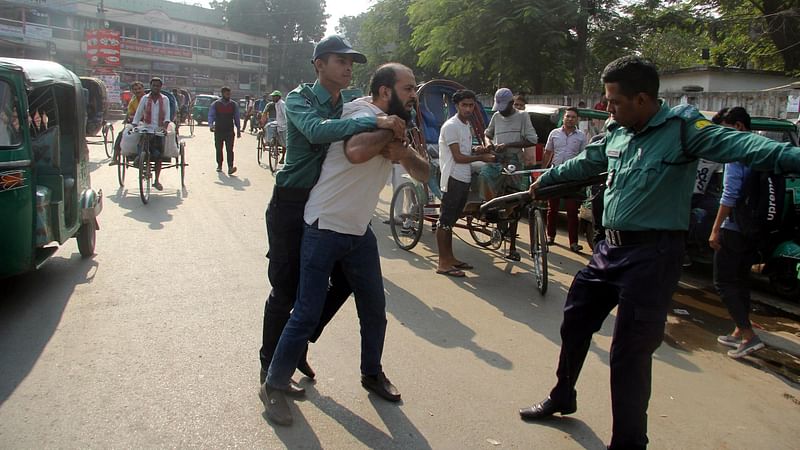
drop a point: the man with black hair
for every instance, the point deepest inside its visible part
(153, 113)
(456, 154)
(313, 113)
(337, 231)
(223, 116)
(650, 153)
(733, 252)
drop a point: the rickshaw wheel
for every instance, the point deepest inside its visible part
(484, 233)
(108, 139)
(122, 165)
(87, 238)
(182, 163)
(538, 248)
(191, 125)
(260, 146)
(405, 216)
(274, 154)
(144, 172)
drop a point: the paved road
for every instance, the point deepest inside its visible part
(153, 343)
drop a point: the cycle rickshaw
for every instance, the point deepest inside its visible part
(145, 162)
(96, 112)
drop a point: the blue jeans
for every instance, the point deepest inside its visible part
(360, 262)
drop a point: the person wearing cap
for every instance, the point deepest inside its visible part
(313, 122)
(337, 231)
(509, 132)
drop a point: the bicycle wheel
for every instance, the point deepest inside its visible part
(191, 125)
(182, 163)
(484, 233)
(274, 155)
(122, 163)
(538, 248)
(144, 172)
(108, 139)
(259, 146)
(405, 216)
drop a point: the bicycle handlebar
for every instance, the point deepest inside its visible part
(544, 193)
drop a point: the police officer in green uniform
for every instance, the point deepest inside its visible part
(313, 114)
(650, 152)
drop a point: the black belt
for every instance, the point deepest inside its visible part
(291, 194)
(619, 238)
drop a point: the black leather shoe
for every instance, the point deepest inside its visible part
(381, 385)
(277, 407)
(547, 408)
(294, 389)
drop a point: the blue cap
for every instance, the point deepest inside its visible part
(502, 98)
(339, 45)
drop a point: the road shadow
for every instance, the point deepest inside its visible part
(577, 429)
(238, 184)
(157, 211)
(436, 325)
(31, 306)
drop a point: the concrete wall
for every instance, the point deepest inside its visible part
(722, 81)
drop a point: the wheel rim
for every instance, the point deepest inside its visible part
(144, 174)
(405, 216)
(183, 165)
(540, 259)
(121, 163)
(482, 232)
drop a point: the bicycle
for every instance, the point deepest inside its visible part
(260, 145)
(274, 147)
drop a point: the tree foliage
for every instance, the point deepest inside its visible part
(291, 26)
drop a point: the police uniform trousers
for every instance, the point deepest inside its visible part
(285, 226)
(639, 279)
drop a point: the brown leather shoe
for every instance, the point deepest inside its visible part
(381, 385)
(547, 408)
(277, 407)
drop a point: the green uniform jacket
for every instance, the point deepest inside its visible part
(313, 123)
(651, 173)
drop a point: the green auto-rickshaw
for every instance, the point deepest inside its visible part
(200, 105)
(45, 193)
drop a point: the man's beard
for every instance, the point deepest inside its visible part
(397, 108)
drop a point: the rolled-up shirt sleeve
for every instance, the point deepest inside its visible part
(732, 184)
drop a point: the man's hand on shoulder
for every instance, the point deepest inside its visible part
(394, 123)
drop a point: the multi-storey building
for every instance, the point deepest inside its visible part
(187, 46)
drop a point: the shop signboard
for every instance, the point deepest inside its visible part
(33, 31)
(139, 47)
(103, 47)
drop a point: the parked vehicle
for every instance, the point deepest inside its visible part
(45, 192)
(200, 106)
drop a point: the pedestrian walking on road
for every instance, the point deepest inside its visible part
(734, 253)
(223, 116)
(650, 153)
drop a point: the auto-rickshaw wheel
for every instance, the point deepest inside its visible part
(182, 163)
(108, 139)
(87, 238)
(144, 172)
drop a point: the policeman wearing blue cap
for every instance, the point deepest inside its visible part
(313, 114)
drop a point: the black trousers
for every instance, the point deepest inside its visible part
(224, 137)
(285, 225)
(640, 281)
(732, 264)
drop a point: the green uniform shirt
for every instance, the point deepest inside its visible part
(313, 123)
(651, 174)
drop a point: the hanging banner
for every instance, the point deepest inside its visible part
(103, 47)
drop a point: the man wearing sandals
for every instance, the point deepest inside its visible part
(456, 154)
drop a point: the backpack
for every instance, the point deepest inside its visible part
(760, 208)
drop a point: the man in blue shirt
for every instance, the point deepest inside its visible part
(733, 252)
